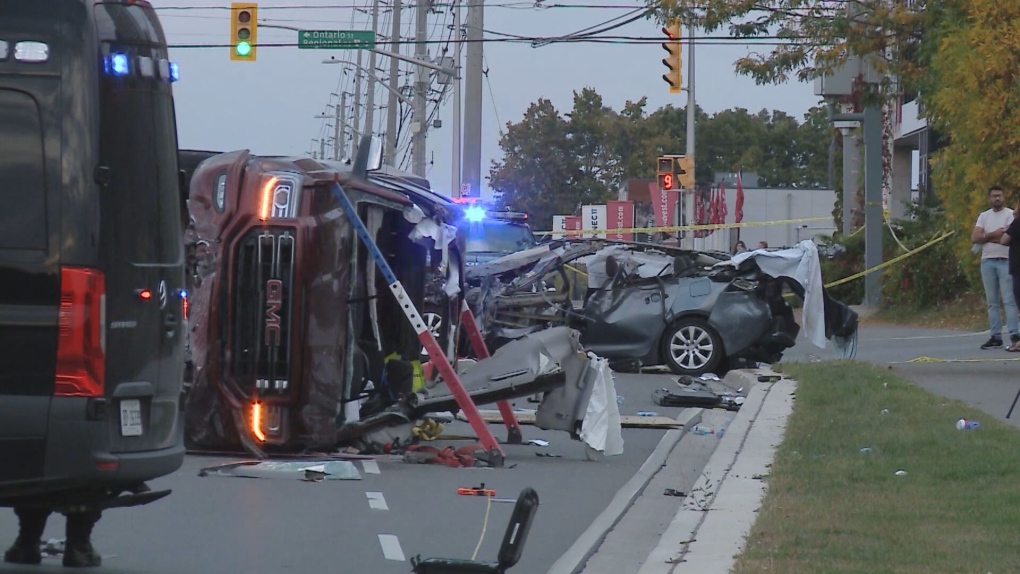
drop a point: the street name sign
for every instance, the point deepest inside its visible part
(337, 39)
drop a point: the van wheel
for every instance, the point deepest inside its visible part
(691, 347)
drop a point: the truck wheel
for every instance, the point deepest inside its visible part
(691, 347)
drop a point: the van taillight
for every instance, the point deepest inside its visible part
(81, 346)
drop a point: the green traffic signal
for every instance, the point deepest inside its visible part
(243, 48)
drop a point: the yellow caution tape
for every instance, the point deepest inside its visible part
(892, 261)
(675, 228)
(576, 270)
(938, 360)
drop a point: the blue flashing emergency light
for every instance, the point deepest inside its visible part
(175, 72)
(474, 214)
(119, 64)
(183, 293)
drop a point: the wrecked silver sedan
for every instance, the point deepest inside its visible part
(646, 305)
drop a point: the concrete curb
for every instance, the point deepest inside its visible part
(574, 558)
(710, 528)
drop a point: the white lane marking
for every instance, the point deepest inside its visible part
(391, 547)
(376, 501)
(370, 466)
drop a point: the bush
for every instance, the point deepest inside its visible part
(925, 279)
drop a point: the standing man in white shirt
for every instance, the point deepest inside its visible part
(988, 230)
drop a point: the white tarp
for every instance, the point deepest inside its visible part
(801, 264)
(601, 428)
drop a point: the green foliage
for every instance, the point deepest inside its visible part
(923, 280)
(813, 37)
(930, 277)
(553, 163)
(974, 99)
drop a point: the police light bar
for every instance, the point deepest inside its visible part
(508, 215)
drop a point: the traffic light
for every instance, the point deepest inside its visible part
(672, 61)
(665, 173)
(243, 31)
(685, 172)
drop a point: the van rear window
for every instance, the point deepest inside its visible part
(22, 177)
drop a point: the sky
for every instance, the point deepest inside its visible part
(270, 106)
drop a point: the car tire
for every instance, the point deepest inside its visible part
(691, 347)
(433, 317)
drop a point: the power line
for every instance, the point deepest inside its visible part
(537, 6)
(703, 40)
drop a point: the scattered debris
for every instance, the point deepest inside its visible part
(307, 470)
(476, 491)
(885, 411)
(647, 414)
(964, 424)
(464, 456)
(901, 473)
(428, 429)
(866, 450)
(769, 378)
(548, 455)
(674, 492)
(54, 547)
(538, 442)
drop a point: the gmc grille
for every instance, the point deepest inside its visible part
(263, 309)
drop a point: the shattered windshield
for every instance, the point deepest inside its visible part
(501, 238)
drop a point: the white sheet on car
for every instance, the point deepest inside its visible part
(801, 264)
(601, 428)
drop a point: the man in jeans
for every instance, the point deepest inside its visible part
(988, 231)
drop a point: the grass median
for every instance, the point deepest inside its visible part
(832, 508)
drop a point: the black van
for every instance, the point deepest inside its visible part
(91, 254)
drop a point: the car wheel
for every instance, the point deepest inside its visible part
(434, 323)
(691, 347)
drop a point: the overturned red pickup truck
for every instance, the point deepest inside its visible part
(286, 322)
(296, 339)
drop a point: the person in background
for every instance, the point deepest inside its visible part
(763, 245)
(740, 247)
(1014, 263)
(988, 231)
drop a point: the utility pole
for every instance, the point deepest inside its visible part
(690, 96)
(359, 78)
(340, 143)
(370, 99)
(422, 79)
(457, 113)
(393, 108)
(691, 119)
(473, 99)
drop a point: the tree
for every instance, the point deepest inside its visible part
(538, 168)
(554, 163)
(813, 37)
(973, 97)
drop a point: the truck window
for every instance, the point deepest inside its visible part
(498, 237)
(22, 177)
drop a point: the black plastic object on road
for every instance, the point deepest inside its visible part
(509, 553)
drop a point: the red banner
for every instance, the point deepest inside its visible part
(621, 216)
(572, 223)
(664, 205)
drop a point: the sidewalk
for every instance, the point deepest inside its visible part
(712, 523)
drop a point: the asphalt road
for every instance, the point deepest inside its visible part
(220, 524)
